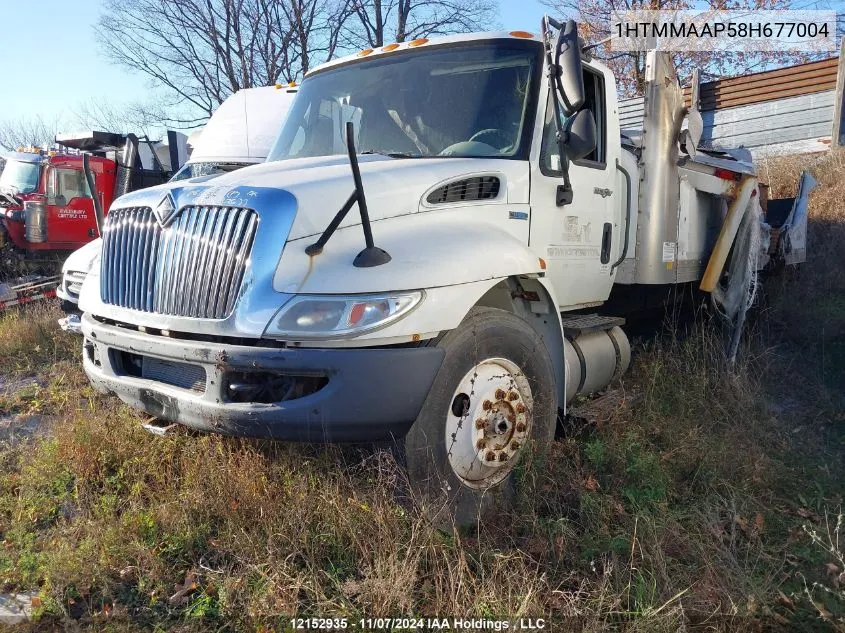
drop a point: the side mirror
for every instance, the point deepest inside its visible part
(570, 74)
(580, 134)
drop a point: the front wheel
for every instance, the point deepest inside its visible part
(493, 396)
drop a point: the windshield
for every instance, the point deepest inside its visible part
(195, 170)
(20, 177)
(473, 100)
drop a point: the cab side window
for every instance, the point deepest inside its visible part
(594, 101)
(63, 185)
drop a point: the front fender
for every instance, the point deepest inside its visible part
(428, 250)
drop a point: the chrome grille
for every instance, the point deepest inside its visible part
(194, 267)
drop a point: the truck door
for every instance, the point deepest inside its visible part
(70, 215)
(577, 240)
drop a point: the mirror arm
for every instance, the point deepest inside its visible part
(564, 191)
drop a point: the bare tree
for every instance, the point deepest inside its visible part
(25, 131)
(380, 21)
(203, 50)
(594, 22)
(141, 118)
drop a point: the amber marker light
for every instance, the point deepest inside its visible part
(523, 34)
(418, 42)
(365, 52)
(390, 47)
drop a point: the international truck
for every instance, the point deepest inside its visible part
(239, 133)
(429, 255)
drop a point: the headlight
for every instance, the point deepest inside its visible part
(330, 316)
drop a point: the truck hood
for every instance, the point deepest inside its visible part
(83, 259)
(321, 185)
(297, 199)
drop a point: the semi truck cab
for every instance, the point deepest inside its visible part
(46, 203)
(41, 190)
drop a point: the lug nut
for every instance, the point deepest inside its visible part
(480, 444)
(490, 456)
(487, 405)
(480, 424)
(503, 457)
(500, 394)
(520, 408)
(520, 427)
(515, 446)
(513, 395)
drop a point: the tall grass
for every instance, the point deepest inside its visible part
(678, 498)
(30, 340)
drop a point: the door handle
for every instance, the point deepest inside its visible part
(606, 234)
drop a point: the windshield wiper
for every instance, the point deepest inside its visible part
(391, 154)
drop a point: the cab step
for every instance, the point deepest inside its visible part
(574, 325)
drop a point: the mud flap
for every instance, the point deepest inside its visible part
(793, 240)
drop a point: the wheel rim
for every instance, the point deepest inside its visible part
(488, 422)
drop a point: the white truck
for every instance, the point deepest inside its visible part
(239, 133)
(457, 309)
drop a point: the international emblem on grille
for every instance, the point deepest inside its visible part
(165, 209)
(194, 266)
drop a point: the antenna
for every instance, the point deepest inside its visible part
(372, 255)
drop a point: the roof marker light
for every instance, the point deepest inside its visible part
(418, 42)
(390, 47)
(523, 34)
(278, 86)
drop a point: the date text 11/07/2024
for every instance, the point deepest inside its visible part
(416, 624)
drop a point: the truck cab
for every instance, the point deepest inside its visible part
(415, 261)
(46, 203)
(240, 132)
(50, 190)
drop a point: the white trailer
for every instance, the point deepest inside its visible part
(422, 257)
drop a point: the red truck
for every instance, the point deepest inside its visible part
(46, 205)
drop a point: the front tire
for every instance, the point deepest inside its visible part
(493, 396)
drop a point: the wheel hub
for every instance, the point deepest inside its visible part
(483, 444)
(502, 427)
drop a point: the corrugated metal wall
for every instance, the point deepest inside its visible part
(770, 85)
(788, 110)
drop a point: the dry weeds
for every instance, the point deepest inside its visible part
(681, 501)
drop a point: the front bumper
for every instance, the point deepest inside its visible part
(370, 393)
